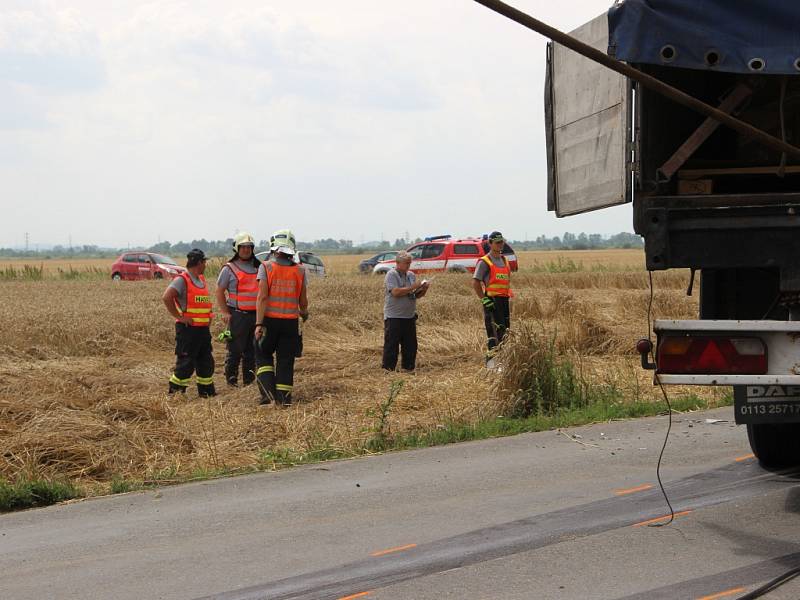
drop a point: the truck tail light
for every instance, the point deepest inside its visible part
(709, 355)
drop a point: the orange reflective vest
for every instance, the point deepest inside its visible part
(198, 302)
(246, 289)
(499, 278)
(285, 284)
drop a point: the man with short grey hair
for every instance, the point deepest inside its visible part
(400, 314)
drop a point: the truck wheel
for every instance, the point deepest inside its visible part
(158, 276)
(457, 269)
(750, 294)
(775, 444)
(116, 277)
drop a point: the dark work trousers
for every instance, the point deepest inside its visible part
(400, 333)
(193, 355)
(276, 375)
(497, 321)
(240, 347)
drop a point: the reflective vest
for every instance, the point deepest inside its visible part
(285, 284)
(246, 289)
(499, 278)
(198, 302)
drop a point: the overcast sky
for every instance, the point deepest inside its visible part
(125, 122)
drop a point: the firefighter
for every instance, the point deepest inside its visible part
(188, 300)
(282, 301)
(238, 278)
(492, 283)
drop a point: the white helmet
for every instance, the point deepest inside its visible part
(242, 239)
(282, 241)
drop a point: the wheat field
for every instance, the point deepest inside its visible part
(85, 364)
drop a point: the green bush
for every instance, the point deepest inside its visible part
(24, 273)
(534, 379)
(29, 493)
(561, 265)
(120, 485)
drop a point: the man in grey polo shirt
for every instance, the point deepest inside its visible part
(400, 314)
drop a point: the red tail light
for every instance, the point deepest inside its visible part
(709, 355)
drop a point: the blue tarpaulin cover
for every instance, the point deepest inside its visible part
(738, 31)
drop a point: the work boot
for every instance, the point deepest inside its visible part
(283, 398)
(206, 390)
(248, 375)
(266, 385)
(231, 373)
(174, 388)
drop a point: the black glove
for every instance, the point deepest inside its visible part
(488, 303)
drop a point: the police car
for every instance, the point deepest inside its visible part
(445, 253)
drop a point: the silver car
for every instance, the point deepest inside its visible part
(311, 262)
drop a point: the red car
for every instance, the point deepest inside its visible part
(443, 253)
(144, 265)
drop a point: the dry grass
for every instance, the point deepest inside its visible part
(85, 364)
(54, 264)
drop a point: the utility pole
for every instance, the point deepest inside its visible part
(27, 241)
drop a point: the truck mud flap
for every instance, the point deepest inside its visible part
(766, 403)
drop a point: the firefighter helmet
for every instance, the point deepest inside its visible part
(243, 239)
(282, 241)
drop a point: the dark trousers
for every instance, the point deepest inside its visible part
(497, 321)
(193, 355)
(240, 347)
(275, 354)
(402, 334)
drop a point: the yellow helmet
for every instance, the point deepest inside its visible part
(243, 238)
(282, 241)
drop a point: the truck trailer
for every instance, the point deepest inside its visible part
(718, 198)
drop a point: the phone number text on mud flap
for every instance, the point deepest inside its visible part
(770, 409)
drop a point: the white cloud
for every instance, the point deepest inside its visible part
(333, 112)
(49, 49)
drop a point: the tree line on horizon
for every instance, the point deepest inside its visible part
(568, 241)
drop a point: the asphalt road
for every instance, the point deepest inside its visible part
(543, 515)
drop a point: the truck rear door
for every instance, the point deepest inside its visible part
(587, 122)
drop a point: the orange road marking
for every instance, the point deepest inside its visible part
(358, 595)
(730, 592)
(745, 457)
(664, 518)
(638, 488)
(390, 550)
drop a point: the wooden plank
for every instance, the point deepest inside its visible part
(739, 94)
(692, 187)
(699, 173)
